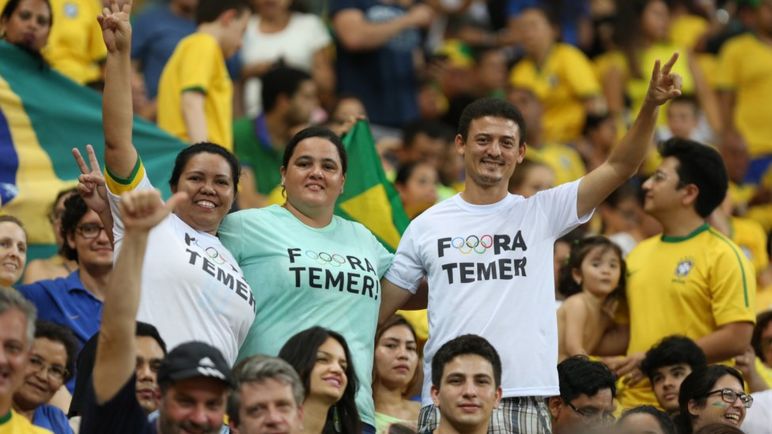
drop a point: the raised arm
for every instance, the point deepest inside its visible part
(91, 187)
(116, 348)
(356, 33)
(626, 157)
(117, 111)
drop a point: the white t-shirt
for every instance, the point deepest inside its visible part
(192, 288)
(490, 273)
(304, 36)
(758, 420)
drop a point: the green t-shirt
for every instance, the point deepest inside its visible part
(303, 277)
(252, 152)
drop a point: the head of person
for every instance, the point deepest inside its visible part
(586, 400)
(396, 355)
(290, 94)
(529, 105)
(692, 176)
(667, 364)
(51, 364)
(268, 398)
(187, 7)
(637, 24)
(17, 332)
(491, 68)
(209, 174)
(621, 211)
(230, 16)
(313, 170)
(683, 115)
(601, 131)
(712, 395)
(195, 381)
(26, 23)
(531, 177)
(596, 265)
(645, 420)
(425, 140)
(561, 253)
(416, 183)
(466, 382)
(347, 106)
(491, 138)
(13, 249)
(655, 20)
(761, 339)
(85, 238)
(151, 350)
(55, 214)
(322, 359)
(538, 30)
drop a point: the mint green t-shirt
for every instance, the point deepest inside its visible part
(303, 277)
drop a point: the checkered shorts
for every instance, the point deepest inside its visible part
(517, 415)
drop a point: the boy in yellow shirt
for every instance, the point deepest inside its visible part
(195, 93)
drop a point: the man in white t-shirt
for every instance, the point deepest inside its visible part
(487, 254)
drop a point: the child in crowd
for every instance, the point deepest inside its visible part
(195, 94)
(593, 281)
(683, 117)
(416, 183)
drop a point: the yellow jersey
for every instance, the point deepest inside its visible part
(686, 30)
(684, 285)
(562, 83)
(197, 65)
(75, 45)
(14, 423)
(562, 159)
(749, 235)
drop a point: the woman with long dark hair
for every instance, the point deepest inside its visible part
(712, 395)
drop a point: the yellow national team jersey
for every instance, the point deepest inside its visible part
(745, 66)
(562, 159)
(197, 65)
(686, 30)
(749, 235)
(75, 46)
(14, 423)
(684, 285)
(565, 79)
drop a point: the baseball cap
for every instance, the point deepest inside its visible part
(194, 359)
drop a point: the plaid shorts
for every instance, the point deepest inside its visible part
(517, 415)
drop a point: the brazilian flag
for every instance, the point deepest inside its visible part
(43, 115)
(368, 197)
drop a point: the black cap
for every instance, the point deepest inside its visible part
(194, 359)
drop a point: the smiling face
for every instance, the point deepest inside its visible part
(45, 374)
(396, 357)
(600, 271)
(716, 410)
(91, 242)
(207, 179)
(467, 393)
(666, 383)
(29, 25)
(328, 377)
(662, 191)
(14, 351)
(313, 177)
(491, 151)
(195, 405)
(13, 252)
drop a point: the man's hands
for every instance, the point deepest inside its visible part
(628, 368)
(664, 85)
(116, 28)
(141, 210)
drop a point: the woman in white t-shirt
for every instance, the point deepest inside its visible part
(276, 34)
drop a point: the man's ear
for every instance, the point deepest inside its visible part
(459, 142)
(435, 392)
(227, 16)
(692, 192)
(555, 404)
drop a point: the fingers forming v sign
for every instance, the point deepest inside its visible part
(664, 84)
(91, 183)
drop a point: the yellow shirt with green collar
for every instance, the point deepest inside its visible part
(197, 65)
(562, 83)
(14, 423)
(75, 46)
(689, 285)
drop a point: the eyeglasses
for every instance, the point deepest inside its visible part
(90, 230)
(54, 372)
(730, 396)
(592, 413)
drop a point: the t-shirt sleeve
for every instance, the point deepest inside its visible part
(728, 71)
(230, 234)
(120, 415)
(581, 77)
(732, 286)
(558, 206)
(382, 256)
(407, 269)
(116, 186)
(36, 294)
(198, 63)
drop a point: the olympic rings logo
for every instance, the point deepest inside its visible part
(324, 258)
(472, 243)
(214, 255)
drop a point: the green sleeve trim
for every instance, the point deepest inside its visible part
(668, 239)
(132, 175)
(6, 418)
(739, 262)
(197, 89)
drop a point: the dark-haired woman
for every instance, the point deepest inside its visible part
(715, 394)
(323, 361)
(308, 266)
(26, 23)
(193, 289)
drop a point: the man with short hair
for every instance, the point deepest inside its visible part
(586, 399)
(17, 331)
(268, 398)
(194, 377)
(487, 254)
(667, 364)
(466, 385)
(691, 280)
